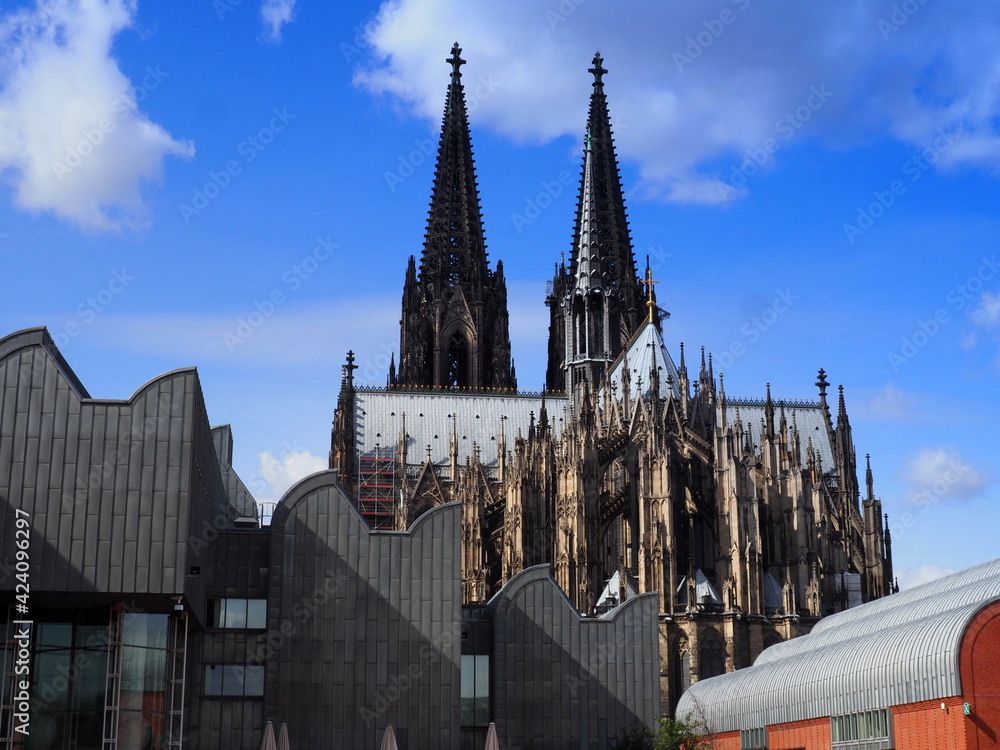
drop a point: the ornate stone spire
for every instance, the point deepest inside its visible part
(601, 257)
(454, 327)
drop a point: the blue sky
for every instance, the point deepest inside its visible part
(236, 185)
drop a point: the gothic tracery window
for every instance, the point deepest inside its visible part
(458, 361)
(712, 653)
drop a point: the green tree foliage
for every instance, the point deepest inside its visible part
(670, 734)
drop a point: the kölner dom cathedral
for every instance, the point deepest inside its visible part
(632, 471)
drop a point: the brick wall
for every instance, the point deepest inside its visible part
(927, 725)
(813, 734)
(979, 661)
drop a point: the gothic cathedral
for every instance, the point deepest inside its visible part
(628, 473)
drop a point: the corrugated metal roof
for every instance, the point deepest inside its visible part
(809, 418)
(639, 356)
(378, 417)
(900, 649)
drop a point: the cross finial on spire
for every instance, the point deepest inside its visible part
(349, 368)
(650, 302)
(456, 60)
(598, 70)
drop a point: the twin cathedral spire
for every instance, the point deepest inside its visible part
(454, 329)
(454, 326)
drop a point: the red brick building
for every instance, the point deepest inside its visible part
(915, 670)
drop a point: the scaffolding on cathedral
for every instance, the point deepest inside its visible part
(377, 487)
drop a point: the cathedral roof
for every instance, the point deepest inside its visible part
(808, 416)
(430, 418)
(900, 649)
(638, 356)
(704, 590)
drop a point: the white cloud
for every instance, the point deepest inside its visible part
(987, 314)
(281, 472)
(937, 475)
(892, 403)
(74, 142)
(909, 577)
(695, 89)
(275, 14)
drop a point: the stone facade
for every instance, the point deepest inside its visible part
(744, 516)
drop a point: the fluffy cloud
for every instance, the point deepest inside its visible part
(917, 575)
(275, 14)
(697, 89)
(987, 314)
(940, 474)
(278, 473)
(892, 403)
(74, 142)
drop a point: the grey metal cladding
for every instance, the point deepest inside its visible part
(116, 500)
(358, 641)
(557, 674)
(900, 649)
(239, 496)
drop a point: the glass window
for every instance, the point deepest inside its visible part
(232, 679)
(213, 680)
(237, 614)
(234, 613)
(149, 631)
(870, 730)
(256, 614)
(753, 739)
(475, 690)
(253, 680)
(235, 680)
(69, 674)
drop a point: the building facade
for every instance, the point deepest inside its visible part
(917, 670)
(628, 474)
(143, 606)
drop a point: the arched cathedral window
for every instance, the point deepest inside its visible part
(712, 651)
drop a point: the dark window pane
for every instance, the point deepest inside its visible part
(483, 677)
(214, 613)
(235, 615)
(49, 678)
(146, 630)
(213, 680)
(232, 679)
(257, 614)
(468, 677)
(253, 680)
(53, 634)
(92, 637)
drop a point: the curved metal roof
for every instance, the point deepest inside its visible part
(900, 649)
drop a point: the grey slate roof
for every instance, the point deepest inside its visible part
(639, 358)
(378, 418)
(808, 416)
(900, 649)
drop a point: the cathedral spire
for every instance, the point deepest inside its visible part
(454, 244)
(607, 214)
(454, 328)
(601, 267)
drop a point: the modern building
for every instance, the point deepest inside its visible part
(920, 669)
(143, 606)
(744, 516)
